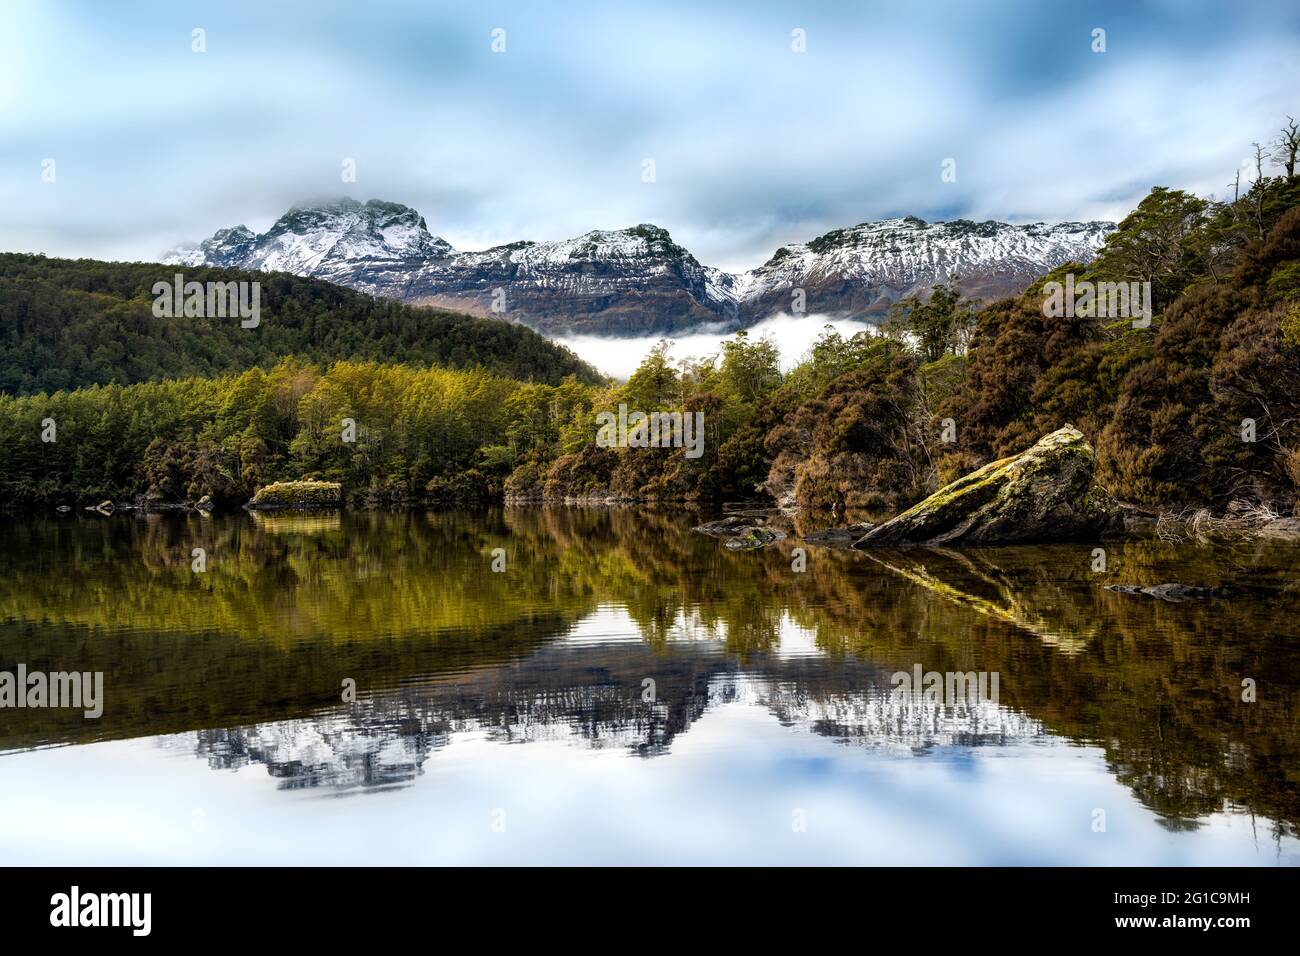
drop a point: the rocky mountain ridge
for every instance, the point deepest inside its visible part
(638, 281)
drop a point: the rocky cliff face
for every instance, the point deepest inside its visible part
(637, 281)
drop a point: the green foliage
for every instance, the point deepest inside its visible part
(941, 324)
(1291, 324)
(554, 429)
(225, 437)
(859, 442)
(748, 371)
(655, 384)
(1221, 357)
(66, 324)
(1161, 242)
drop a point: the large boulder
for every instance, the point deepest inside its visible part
(297, 495)
(1044, 494)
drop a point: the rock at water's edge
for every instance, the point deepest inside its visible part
(1044, 494)
(751, 539)
(742, 532)
(839, 537)
(297, 495)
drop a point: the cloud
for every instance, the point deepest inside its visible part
(792, 335)
(755, 145)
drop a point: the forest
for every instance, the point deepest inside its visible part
(71, 323)
(1200, 407)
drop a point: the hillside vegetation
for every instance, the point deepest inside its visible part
(71, 323)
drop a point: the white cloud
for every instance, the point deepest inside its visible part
(792, 335)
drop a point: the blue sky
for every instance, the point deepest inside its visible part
(754, 145)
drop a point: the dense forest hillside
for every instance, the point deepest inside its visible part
(70, 323)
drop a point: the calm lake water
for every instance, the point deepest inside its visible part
(627, 691)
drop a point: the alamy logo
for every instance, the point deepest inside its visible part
(655, 430)
(76, 690)
(949, 688)
(216, 300)
(1098, 300)
(103, 909)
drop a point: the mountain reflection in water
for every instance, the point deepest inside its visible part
(593, 696)
(622, 632)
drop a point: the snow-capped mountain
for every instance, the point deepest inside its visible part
(633, 281)
(637, 281)
(355, 244)
(862, 270)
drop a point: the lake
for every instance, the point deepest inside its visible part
(562, 685)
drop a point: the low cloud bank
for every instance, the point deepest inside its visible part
(793, 335)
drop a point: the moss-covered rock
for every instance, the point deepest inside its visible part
(298, 494)
(1044, 494)
(746, 531)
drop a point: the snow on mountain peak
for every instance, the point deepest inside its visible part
(864, 269)
(336, 240)
(637, 280)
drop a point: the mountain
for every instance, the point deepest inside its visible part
(862, 270)
(638, 281)
(360, 245)
(628, 282)
(66, 324)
